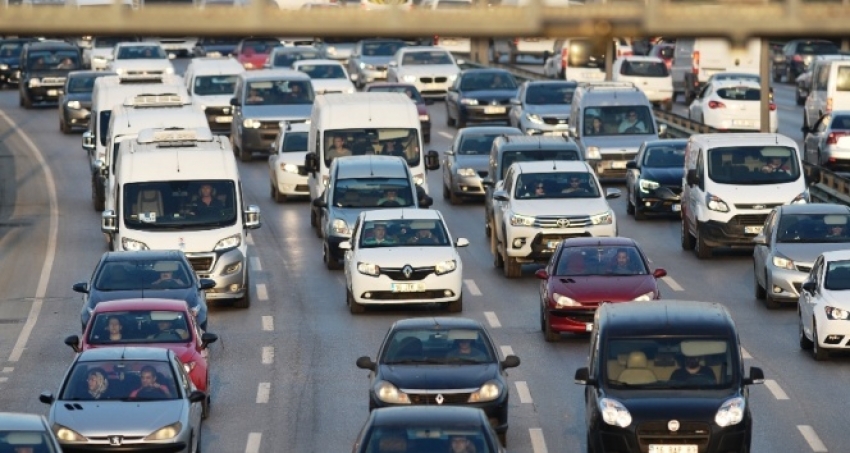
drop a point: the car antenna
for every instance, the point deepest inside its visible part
(554, 164)
(371, 170)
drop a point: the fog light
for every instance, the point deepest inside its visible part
(464, 188)
(519, 242)
(833, 339)
(776, 289)
(447, 293)
(234, 287)
(367, 295)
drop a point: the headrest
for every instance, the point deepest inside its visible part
(637, 359)
(149, 195)
(24, 438)
(166, 266)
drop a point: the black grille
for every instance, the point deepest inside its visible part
(381, 67)
(749, 219)
(486, 102)
(389, 295)
(217, 111)
(270, 125)
(140, 448)
(433, 79)
(582, 315)
(798, 286)
(540, 244)
(397, 273)
(676, 190)
(803, 268)
(758, 206)
(696, 433)
(450, 398)
(483, 174)
(201, 263)
(554, 121)
(302, 170)
(302, 188)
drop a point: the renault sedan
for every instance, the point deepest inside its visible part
(823, 307)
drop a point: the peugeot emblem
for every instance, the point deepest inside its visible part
(563, 223)
(673, 425)
(439, 399)
(758, 206)
(115, 440)
(407, 271)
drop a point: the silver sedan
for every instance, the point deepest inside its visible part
(466, 163)
(543, 107)
(828, 142)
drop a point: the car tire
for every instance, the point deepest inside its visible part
(704, 251)
(454, 198)
(511, 268)
(512, 57)
(449, 120)
(64, 128)
(445, 192)
(353, 306)
(330, 262)
(503, 438)
(427, 138)
(769, 301)
(630, 208)
(277, 196)
(548, 333)
(318, 230)
(760, 292)
(494, 249)
(461, 123)
(805, 343)
(820, 354)
(487, 228)
(640, 214)
(245, 156)
(244, 301)
(27, 103)
(98, 195)
(313, 222)
(205, 407)
(688, 242)
(800, 100)
(776, 77)
(456, 306)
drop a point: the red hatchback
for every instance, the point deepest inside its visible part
(586, 272)
(252, 53)
(163, 323)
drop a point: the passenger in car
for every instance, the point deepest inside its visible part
(693, 371)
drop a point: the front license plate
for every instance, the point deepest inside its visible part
(53, 92)
(588, 327)
(408, 287)
(492, 110)
(753, 229)
(653, 448)
(223, 119)
(677, 207)
(618, 164)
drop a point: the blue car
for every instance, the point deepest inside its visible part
(481, 96)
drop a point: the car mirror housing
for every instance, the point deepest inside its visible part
(582, 377)
(74, 342)
(612, 193)
(366, 363)
(46, 398)
(487, 182)
(319, 202)
(756, 376)
(500, 195)
(808, 286)
(81, 287)
(432, 160)
(760, 240)
(462, 242)
(542, 274)
(510, 361)
(206, 283)
(631, 165)
(658, 273)
(691, 177)
(208, 338)
(197, 396)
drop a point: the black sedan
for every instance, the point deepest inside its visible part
(75, 102)
(431, 429)
(149, 274)
(480, 95)
(215, 47)
(654, 178)
(449, 361)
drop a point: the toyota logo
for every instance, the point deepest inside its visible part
(563, 223)
(407, 271)
(439, 399)
(673, 425)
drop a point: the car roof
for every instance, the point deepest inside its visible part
(552, 82)
(18, 421)
(402, 213)
(370, 166)
(124, 353)
(735, 83)
(603, 241)
(815, 208)
(538, 141)
(145, 255)
(485, 71)
(744, 139)
(317, 61)
(665, 317)
(489, 130)
(422, 49)
(274, 74)
(138, 44)
(295, 49)
(669, 141)
(206, 65)
(642, 58)
(552, 166)
(37, 45)
(140, 304)
(413, 416)
(836, 255)
(439, 322)
(89, 73)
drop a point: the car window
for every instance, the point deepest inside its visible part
(124, 275)
(477, 81)
(81, 84)
(428, 438)
(253, 46)
(399, 142)
(549, 94)
(753, 165)
(140, 53)
(619, 120)
(285, 59)
(140, 327)
(11, 49)
(279, 92)
(476, 145)
(215, 85)
(437, 346)
(404, 233)
(110, 41)
(664, 156)
(323, 71)
(13, 441)
(135, 380)
(817, 48)
(381, 48)
(169, 205)
(644, 68)
(740, 93)
(840, 122)
(837, 276)
(53, 59)
(600, 261)
(294, 142)
(372, 193)
(409, 90)
(422, 58)
(556, 185)
(534, 155)
(813, 228)
(842, 81)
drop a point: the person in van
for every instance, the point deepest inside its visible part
(631, 123)
(337, 149)
(205, 203)
(391, 199)
(774, 165)
(596, 127)
(837, 231)
(693, 371)
(393, 148)
(254, 97)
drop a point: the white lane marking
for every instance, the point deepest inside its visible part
(774, 388)
(8, 369)
(249, 240)
(268, 323)
(268, 355)
(812, 438)
(672, 284)
(444, 134)
(262, 292)
(49, 257)
(523, 392)
(538, 443)
(253, 445)
(506, 351)
(472, 287)
(745, 354)
(256, 265)
(3, 379)
(263, 391)
(492, 319)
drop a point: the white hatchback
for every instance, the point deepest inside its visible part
(650, 74)
(824, 305)
(402, 256)
(731, 105)
(140, 59)
(287, 175)
(326, 76)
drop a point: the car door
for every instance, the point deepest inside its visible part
(633, 175)
(518, 106)
(349, 258)
(500, 207)
(449, 160)
(814, 139)
(808, 301)
(762, 252)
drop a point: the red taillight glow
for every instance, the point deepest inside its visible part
(516, 41)
(772, 107)
(716, 105)
(565, 54)
(832, 138)
(695, 67)
(436, 40)
(797, 58)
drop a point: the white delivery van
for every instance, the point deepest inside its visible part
(212, 84)
(109, 92)
(695, 60)
(361, 124)
(732, 182)
(167, 201)
(830, 89)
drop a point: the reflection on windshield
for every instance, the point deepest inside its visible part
(620, 120)
(600, 260)
(139, 327)
(279, 92)
(286, 59)
(81, 84)
(127, 380)
(476, 145)
(813, 228)
(294, 142)
(443, 346)
(549, 94)
(535, 155)
(404, 233)
(46, 60)
(372, 193)
(381, 48)
(669, 363)
(556, 185)
(399, 142)
(215, 85)
(664, 156)
(429, 438)
(426, 58)
(837, 276)
(323, 71)
(141, 275)
(140, 53)
(753, 165)
(160, 205)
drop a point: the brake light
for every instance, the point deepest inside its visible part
(797, 58)
(716, 105)
(772, 107)
(695, 67)
(828, 104)
(436, 40)
(565, 55)
(516, 41)
(832, 138)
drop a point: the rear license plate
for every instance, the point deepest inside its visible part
(677, 207)
(618, 164)
(223, 119)
(742, 122)
(408, 287)
(653, 448)
(753, 229)
(494, 110)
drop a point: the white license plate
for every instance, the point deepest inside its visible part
(53, 92)
(677, 207)
(753, 229)
(223, 119)
(742, 123)
(494, 110)
(408, 287)
(618, 164)
(588, 327)
(653, 448)
(553, 244)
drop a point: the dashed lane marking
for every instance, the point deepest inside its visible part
(262, 292)
(253, 445)
(523, 392)
(268, 355)
(8, 369)
(745, 354)
(774, 388)
(249, 240)
(263, 392)
(506, 351)
(492, 319)
(256, 265)
(444, 134)
(3, 379)
(472, 287)
(538, 443)
(672, 284)
(268, 323)
(812, 438)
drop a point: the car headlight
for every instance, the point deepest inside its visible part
(230, 242)
(331, 50)
(169, 70)
(603, 218)
(645, 297)
(74, 105)
(614, 413)
(338, 226)
(468, 101)
(534, 118)
(132, 245)
(366, 66)
(289, 168)
(488, 392)
(389, 393)
(592, 153)
(203, 107)
(4, 67)
(715, 203)
(119, 71)
(251, 124)
(409, 78)
(836, 313)
(468, 172)
(369, 269)
(647, 184)
(444, 267)
(802, 198)
(419, 179)
(731, 412)
(424, 118)
(248, 65)
(452, 77)
(782, 262)
(34, 83)
(166, 432)
(189, 366)
(522, 220)
(67, 434)
(564, 301)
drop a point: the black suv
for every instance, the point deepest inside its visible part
(797, 55)
(10, 58)
(44, 67)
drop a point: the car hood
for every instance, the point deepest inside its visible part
(672, 404)
(401, 256)
(215, 100)
(617, 143)
(104, 418)
(807, 252)
(476, 162)
(430, 70)
(279, 112)
(666, 176)
(490, 95)
(550, 207)
(98, 296)
(595, 289)
(558, 110)
(144, 65)
(438, 377)
(322, 85)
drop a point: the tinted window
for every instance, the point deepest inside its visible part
(403, 143)
(215, 85)
(753, 165)
(143, 274)
(286, 59)
(428, 438)
(169, 205)
(556, 185)
(698, 363)
(404, 233)
(664, 156)
(323, 71)
(53, 59)
(426, 58)
(837, 276)
(619, 120)
(279, 92)
(739, 93)
(842, 81)
(103, 128)
(813, 228)
(11, 49)
(438, 346)
(549, 94)
(140, 326)
(644, 69)
(81, 84)
(487, 81)
(817, 48)
(841, 122)
(381, 48)
(476, 145)
(140, 53)
(509, 157)
(136, 380)
(601, 260)
(294, 142)
(410, 91)
(372, 192)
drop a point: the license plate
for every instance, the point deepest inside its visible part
(53, 92)
(588, 327)
(223, 119)
(494, 110)
(408, 287)
(753, 229)
(618, 164)
(653, 448)
(553, 244)
(677, 207)
(742, 122)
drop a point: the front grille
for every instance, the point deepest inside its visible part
(483, 173)
(582, 315)
(562, 222)
(202, 263)
(486, 102)
(397, 273)
(554, 121)
(656, 432)
(804, 268)
(448, 398)
(540, 244)
(798, 286)
(52, 81)
(144, 73)
(433, 79)
(302, 188)
(749, 219)
(270, 125)
(381, 67)
(389, 295)
(217, 111)
(758, 206)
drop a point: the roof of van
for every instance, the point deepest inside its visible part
(215, 66)
(147, 162)
(273, 74)
(130, 120)
(371, 166)
(552, 166)
(744, 139)
(609, 94)
(552, 142)
(665, 317)
(364, 109)
(50, 44)
(108, 96)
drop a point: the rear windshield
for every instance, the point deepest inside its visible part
(81, 84)
(323, 71)
(644, 69)
(740, 93)
(817, 48)
(533, 155)
(842, 82)
(581, 55)
(841, 122)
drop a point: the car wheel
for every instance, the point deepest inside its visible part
(313, 222)
(456, 306)
(98, 195)
(454, 198)
(461, 122)
(512, 58)
(776, 77)
(27, 103)
(760, 292)
(244, 301)
(789, 75)
(704, 251)
(511, 268)
(205, 408)
(64, 127)
(353, 306)
(503, 438)
(445, 192)
(494, 249)
(277, 196)
(487, 229)
(630, 208)
(769, 301)
(449, 120)
(245, 156)
(639, 213)
(818, 352)
(330, 262)
(805, 343)
(426, 138)
(800, 100)
(319, 233)
(688, 242)
(548, 333)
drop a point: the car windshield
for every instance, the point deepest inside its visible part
(141, 53)
(251, 46)
(753, 165)
(817, 48)
(739, 93)
(837, 276)
(404, 233)
(695, 363)
(429, 57)
(323, 71)
(285, 59)
(14, 441)
(549, 94)
(11, 49)
(813, 228)
(398, 142)
(556, 185)
(140, 327)
(179, 205)
(476, 144)
(127, 275)
(479, 81)
(372, 193)
(102, 42)
(294, 142)
(57, 59)
(664, 155)
(409, 90)
(81, 84)
(637, 68)
(126, 380)
(429, 438)
(600, 260)
(840, 122)
(215, 85)
(437, 346)
(381, 48)
(279, 92)
(534, 155)
(619, 120)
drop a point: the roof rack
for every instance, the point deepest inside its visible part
(157, 100)
(610, 86)
(140, 78)
(174, 136)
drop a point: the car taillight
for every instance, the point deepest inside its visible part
(565, 55)
(772, 107)
(436, 40)
(716, 105)
(797, 58)
(695, 67)
(832, 138)
(516, 41)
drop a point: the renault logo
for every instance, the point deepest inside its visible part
(439, 399)
(115, 440)
(407, 271)
(563, 223)
(673, 425)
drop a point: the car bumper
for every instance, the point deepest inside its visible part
(76, 117)
(719, 234)
(611, 439)
(219, 119)
(467, 186)
(228, 269)
(10, 76)
(663, 201)
(785, 284)
(365, 76)
(257, 140)
(530, 245)
(497, 411)
(576, 320)
(292, 184)
(835, 155)
(44, 93)
(537, 128)
(177, 447)
(333, 246)
(483, 113)
(832, 334)
(378, 290)
(658, 95)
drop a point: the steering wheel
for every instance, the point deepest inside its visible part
(632, 130)
(170, 334)
(151, 393)
(391, 203)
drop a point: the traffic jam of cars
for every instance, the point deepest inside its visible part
(347, 134)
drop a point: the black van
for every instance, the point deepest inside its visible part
(44, 67)
(666, 376)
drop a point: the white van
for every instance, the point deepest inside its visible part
(167, 201)
(109, 92)
(830, 89)
(212, 84)
(731, 183)
(695, 60)
(365, 123)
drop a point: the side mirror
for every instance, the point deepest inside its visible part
(74, 342)
(756, 376)
(197, 396)
(252, 217)
(206, 283)
(319, 202)
(88, 141)
(432, 160)
(345, 245)
(805, 129)
(366, 363)
(760, 240)
(662, 130)
(108, 222)
(691, 177)
(542, 274)
(582, 377)
(311, 162)
(500, 195)
(487, 182)
(393, 64)
(81, 287)
(809, 286)
(462, 242)
(234, 102)
(46, 398)
(658, 273)
(208, 339)
(631, 165)
(448, 152)
(510, 361)
(515, 101)
(612, 192)
(426, 202)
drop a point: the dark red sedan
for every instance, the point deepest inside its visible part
(586, 272)
(410, 90)
(164, 323)
(252, 53)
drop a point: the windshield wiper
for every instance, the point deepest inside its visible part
(463, 360)
(413, 361)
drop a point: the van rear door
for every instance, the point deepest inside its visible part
(718, 55)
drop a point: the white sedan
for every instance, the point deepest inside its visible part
(402, 256)
(287, 175)
(824, 305)
(141, 59)
(327, 76)
(731, 105)
(431, 69)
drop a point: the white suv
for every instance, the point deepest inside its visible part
(402, 256)
(543, 203)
